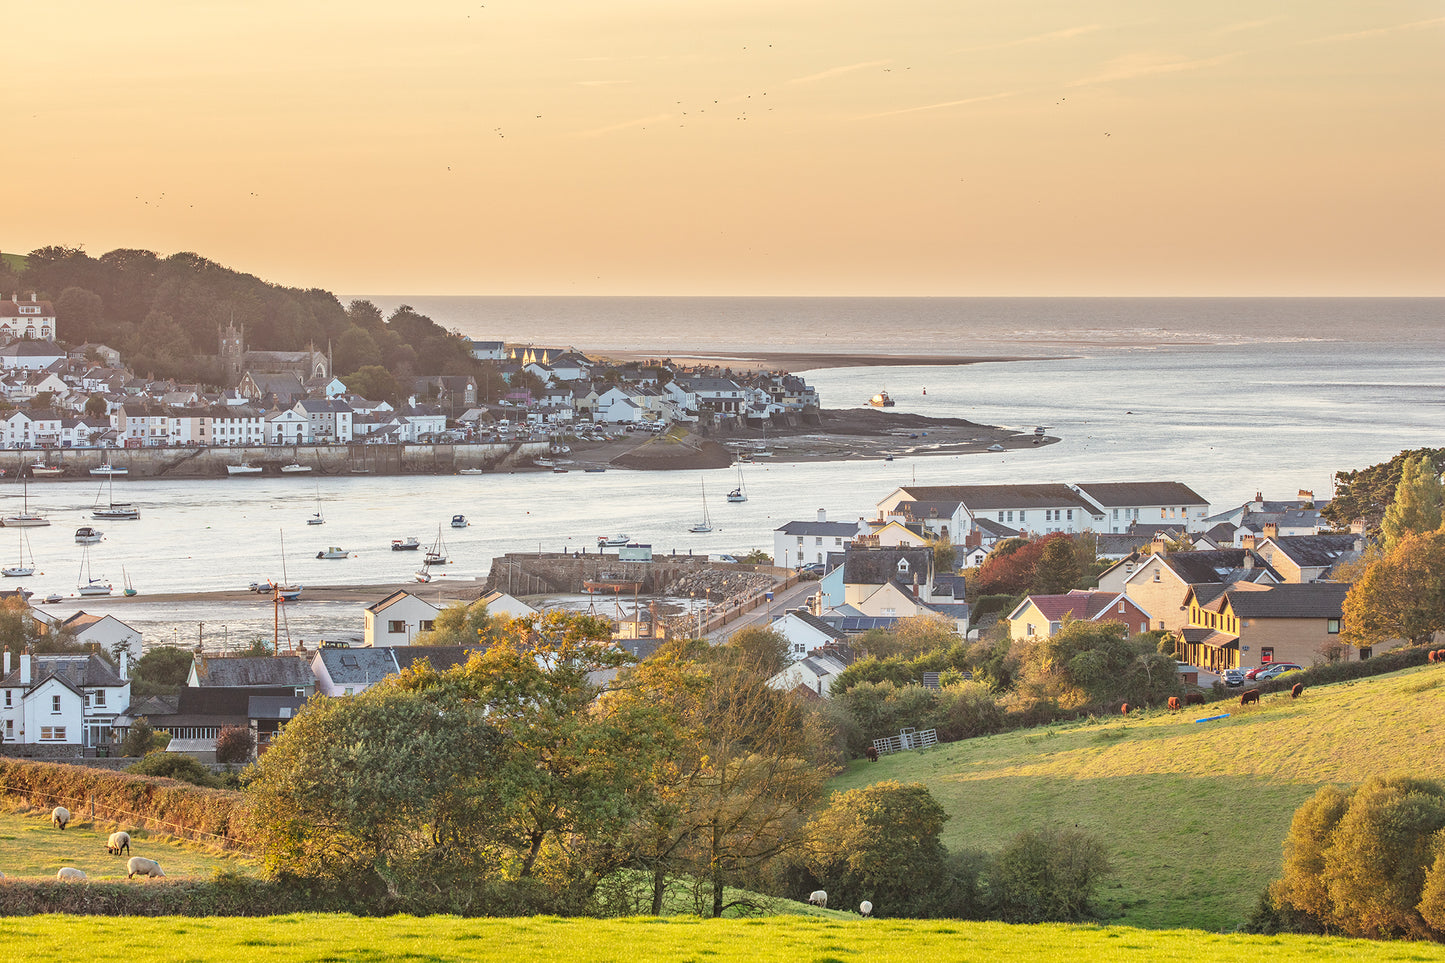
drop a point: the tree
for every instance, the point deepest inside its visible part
(756, 557)
(1417, 504)
(1400, 596)
(760, 650)
(95, 406)
(1360, 860)
(1368, 492)
(1011, 567)
(356, 349)
(161, 670)
(945, 556)
(1057, 570)
(78, 313)
(463, 623)
(141, 739)
(1046, 875)
(374, 382)
(235, 744)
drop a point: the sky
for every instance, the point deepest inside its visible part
(748, 147)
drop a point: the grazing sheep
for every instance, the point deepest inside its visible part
(117, 843)
(865, 908)
(140, 866)
(1194, 698)
(1174, 702)
(60, 816)
(818, 898)
(871, 754)
(1296, 689)
(1245, 698)
(69, 874)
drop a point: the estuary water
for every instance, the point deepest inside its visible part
(1317, 387)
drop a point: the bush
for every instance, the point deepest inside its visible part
(235, 744)
(1046, 875)
(175, 765)
(139, 740)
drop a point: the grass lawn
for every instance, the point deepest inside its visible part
(302, 938)
(30, 846)
(1194, 813)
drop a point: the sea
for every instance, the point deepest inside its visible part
(1230, 396)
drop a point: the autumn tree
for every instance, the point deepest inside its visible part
(1367, 492)
(1400, 596)
(463, 623)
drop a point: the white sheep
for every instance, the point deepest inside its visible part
(865, 908)
(60, 816)
(140, 866)
(69, 874)
(818, 898)
(118, 842)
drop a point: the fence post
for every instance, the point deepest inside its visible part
(92, 810)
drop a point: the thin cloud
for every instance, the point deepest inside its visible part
(947, 103)
(1133, 67)
(836, 71)
(1377, 31)
(625, 125)
(1247, 25)
(1064, 34)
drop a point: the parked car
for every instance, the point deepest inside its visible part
(1234, 677)
(1275, 670)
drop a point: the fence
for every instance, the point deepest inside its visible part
(907, 739)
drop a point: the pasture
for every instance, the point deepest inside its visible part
(1194, 813)
(31, 847)
(316, 937)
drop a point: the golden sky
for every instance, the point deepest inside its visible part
(808, 147)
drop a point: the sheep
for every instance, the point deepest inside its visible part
(865, 908)
(818, 898)
(1245, 698)
(69, 874)
(871, 754)
(1194, 698)
(140, 866)
(1174, 702)
(1296, 689)
(60, 816)
(117, 843)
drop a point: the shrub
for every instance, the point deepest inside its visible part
(1046, 875)
(235, 744)
(139, 740)
(175, 765)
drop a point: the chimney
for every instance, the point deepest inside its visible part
(7, 665)
(1357, 527)
(125, 664)
(1359, 543)
(1248, 561)
(1271, 530)
(25, 668)
(1247, 542)
(822, 514)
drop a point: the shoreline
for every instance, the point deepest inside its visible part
(792, 361)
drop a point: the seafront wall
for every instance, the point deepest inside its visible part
(182, 462)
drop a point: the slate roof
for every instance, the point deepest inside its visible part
(953, 586)
(1312, 600)
(995, 529)
(993, 497)
(273, 707)
(77, 671)
(225, 700)
(1120, 494)
(1078, 604)
(922, 509)
(441, 657)
(1221, 565)
(357, 666)
(813, 621)
(879, 566)
(826, 529)
(1317, 551)
(265, 670)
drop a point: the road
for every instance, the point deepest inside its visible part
(789, 598)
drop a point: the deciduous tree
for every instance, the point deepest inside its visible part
(1400, 596)
(1417, 503)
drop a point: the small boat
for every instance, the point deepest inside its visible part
(244, 468)
(472, 471)
(53, 598)
(358, 470)
(408, 544)
(26, 518)
(612, 541)
(85, 535)
(286, 593)
(559, 470)
(129, 590)
(88, 585)
(42, 470)
(881, 400)
(706, 524)
(21, 570)
(437, 554)
(334, 552)
(595, 469)
(1041, 430)
(114, 510)
(738, 494)
(109, 469)
(544, 463)
(317, 518)
(995, 447)
(294, 468)
(888, 457)
(424, 574)
(460, 521)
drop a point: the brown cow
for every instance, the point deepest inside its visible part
(1174, 702)
(1296, 689)
(871, 754)
(1245, 698)
(1194, 698)
(1124, 709)
(1431, 655)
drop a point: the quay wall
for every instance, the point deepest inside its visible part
(523, 573)
(206, 462)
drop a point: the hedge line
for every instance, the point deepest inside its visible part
(216, 816)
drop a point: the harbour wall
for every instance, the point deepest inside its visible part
(187, 462)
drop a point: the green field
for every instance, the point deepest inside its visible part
(1193, 813)
(297, 939)
(31, 847)
(14, 262)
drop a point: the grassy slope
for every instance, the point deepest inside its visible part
(31, 846)
(1194, 813)
(297, 939)
(14, 262)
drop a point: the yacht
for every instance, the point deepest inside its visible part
(85, 535)
(293, 468)
(460, 521)
(612, 541)
(409, 544)
(109, 469)
(244, 468)
(334, 552)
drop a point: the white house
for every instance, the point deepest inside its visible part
(30, 355)
(805, 632)
(1038, 508)
(62, 700)
(287, 427)
(346, 672)
(106, 631)
(330, 419)
(815, 673)
(398, 619)
(1155, 503)
(28, 319)
(500, 603)
(803, 543)
(489, 350)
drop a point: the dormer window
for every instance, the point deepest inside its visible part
(902, 565)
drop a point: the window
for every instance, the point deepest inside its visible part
(1116, 514)
(1266, 654)
(1365, 652)
(1157, 577)
(1121, 608)
(396, 626)
(349, 691)
(55, 704)
(52, 733)
(818, 540)
(1332, 626)
(902, 565)
(1071, 515)
(100, 697)
(426, 625)
(7, 699)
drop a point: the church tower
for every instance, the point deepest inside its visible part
(233, 351)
